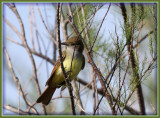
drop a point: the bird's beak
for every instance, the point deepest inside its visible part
(64, 43)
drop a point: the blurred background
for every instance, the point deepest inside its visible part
(39, 21)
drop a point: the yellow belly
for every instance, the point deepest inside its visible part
(71, 73)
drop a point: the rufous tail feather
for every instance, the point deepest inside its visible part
(46, 95)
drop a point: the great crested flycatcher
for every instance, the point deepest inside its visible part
(72, 57)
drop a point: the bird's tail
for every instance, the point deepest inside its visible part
(46, 95)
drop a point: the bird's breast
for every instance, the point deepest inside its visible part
(72, 68)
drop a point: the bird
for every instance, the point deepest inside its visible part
(73, 62)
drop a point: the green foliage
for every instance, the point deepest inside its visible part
(89, 10)
(137, 15)
(144, 62)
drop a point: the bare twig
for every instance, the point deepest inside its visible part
(63, 24)
(20, 36)
(16, 80)
(83, 112)
(10, 39)
(20, 112)
(14, 9)
(31, 28)
(34, 52)
(100, 91)
(96, 94)
(88, 85)
(35, 27)
(54, 45)
(13, 28)
(101, 78)
(93, 76)
(54, 40)
(122, 84)
(99, 28)
(62, 67)
(61, 97)
(31, 106)
(77, 98)
(99, 102)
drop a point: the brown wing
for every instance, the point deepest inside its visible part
(55, 67)
(83, 64)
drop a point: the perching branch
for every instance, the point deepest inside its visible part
(77, 95)
(62, 67)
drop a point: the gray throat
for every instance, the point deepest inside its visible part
(71, 50)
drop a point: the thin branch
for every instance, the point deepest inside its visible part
(101, 78)
(119, 73)
(77, 97)
(125, 104)
(93, 77)
(54, 45)
(122, 84)
(62, 67)
(31, 28)
(88, 85)
(144, 37)
(84, 22)
(149, 66)
(14, 9)
(34, 52)
(140, 41)
(30, 107)
(129, 37)
(100, 91)
(63, 24)
(61, 97)
(35, 27)
(99, 102)
(13, 41)
(15, 110)
(54, 40)
(16, 80)
(13, 28)
(99, 28)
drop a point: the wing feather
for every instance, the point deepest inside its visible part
(83, 64)
(55, 67)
